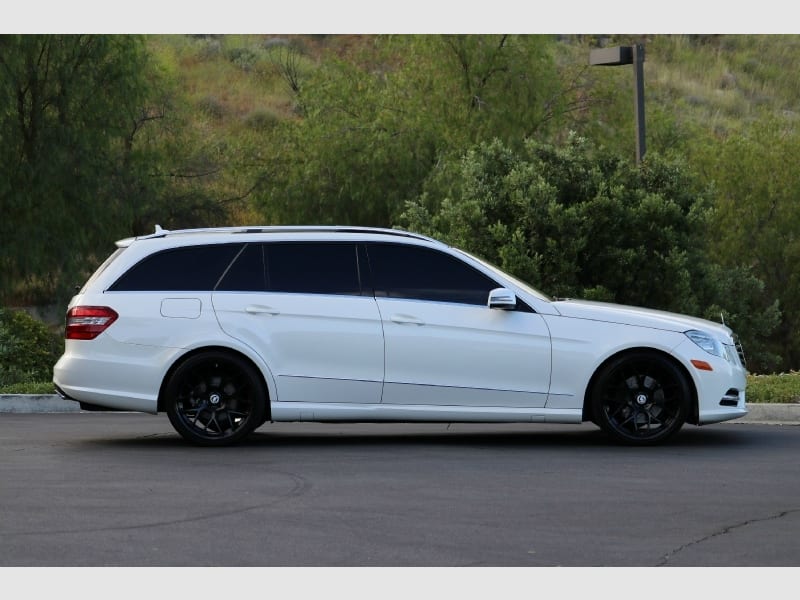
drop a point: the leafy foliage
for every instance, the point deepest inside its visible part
(28, 349)
(95, 147)
(758, 217)
(66, 106)
(36, 388)
(374, 126)
(576, 225)
(101, 137)
(781, 388)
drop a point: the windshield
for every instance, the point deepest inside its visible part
(518, 282)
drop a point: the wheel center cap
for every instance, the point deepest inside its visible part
(641, 399)
(214, 399)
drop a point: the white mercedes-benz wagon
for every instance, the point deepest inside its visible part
(226, 329)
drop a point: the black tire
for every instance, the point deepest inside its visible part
(215, 399)
(641, 399)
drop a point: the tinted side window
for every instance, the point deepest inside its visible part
(425, 274)
(195, 268)
(312, 268)
(247, 273)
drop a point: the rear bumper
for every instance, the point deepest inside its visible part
(112, 376)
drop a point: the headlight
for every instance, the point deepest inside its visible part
(707, 343)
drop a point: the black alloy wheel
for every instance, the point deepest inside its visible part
(641, 399)
(215, 399)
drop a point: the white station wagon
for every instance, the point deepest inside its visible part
(226, 329)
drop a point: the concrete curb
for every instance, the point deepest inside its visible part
(30, 403)
(51, 403)
(772, 414)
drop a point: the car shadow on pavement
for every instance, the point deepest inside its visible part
(332, 436)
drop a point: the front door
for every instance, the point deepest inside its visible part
(444, 346)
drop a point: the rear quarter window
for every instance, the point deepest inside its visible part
(193, 268)
(114, 256)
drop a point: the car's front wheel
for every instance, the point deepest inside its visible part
(215, 399)
(641, 398)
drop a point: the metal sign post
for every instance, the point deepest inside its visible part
(628, 55)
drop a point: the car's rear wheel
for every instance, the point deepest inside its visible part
(215, 399)
(641, 398)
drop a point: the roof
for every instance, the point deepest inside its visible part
(159, 232)
(245, 229)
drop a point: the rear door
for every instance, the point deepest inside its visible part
(301, 307)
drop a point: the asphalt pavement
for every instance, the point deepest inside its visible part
(124, 490)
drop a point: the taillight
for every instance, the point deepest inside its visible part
(87, 322)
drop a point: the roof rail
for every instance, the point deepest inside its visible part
(160, 232)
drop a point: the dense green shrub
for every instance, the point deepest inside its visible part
(28, 349)
(244, 58)
(581, 224)
(262, 120)
(36, 388)
(781, 388)
(212, 106)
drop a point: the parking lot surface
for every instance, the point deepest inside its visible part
(106, 489)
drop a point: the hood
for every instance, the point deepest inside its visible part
(640, 317)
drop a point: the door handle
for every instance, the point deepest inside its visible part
(255, 309)
(406, 320)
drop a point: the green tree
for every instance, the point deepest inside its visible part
(372, 128)
(66, 104)
(96, 144)
(472, 88)
(757, 218)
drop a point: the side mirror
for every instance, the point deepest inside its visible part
(503, 299)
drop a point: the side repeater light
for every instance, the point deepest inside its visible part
(701, 365)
